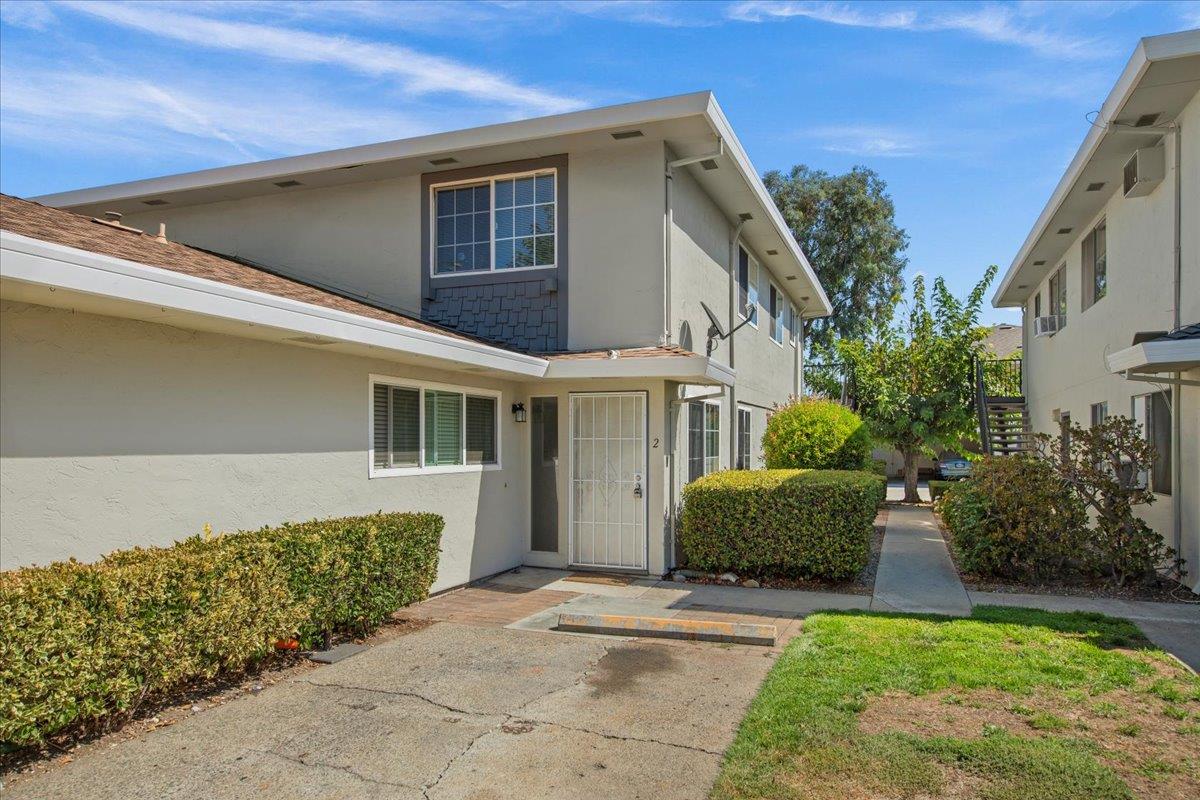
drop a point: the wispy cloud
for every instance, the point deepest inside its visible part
(1189, 14)
(1000, 24)
(33, 14)
(867, 141)
(416, 73)
(111, 111)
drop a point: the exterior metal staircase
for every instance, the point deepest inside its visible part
(1004, 427)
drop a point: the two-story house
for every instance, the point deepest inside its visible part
(1109, 281)
(527, 328)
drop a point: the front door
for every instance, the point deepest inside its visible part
(608, 486)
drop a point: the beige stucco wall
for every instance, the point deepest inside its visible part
(766, 371)
(1068, 372)
(616, 240)
(366, 238)
(362, 237)
(116, 433)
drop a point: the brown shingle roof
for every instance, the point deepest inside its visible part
(73, 230)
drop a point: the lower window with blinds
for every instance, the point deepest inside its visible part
(424, 428)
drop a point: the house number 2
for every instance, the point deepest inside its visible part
(655, 445)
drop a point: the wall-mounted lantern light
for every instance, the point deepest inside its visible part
(518, 410)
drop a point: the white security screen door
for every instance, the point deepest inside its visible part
(608, 486)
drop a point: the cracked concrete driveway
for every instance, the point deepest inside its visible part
(460, 709)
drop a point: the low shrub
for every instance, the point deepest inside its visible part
(798, 523)
(1014, 517)
(85, 643)
(816, 434)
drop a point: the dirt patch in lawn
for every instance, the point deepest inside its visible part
(1138, 735)
(861, 584)
(179, 705)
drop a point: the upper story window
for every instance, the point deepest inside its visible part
(1095, 265)
(747, 287)
(793, 325)
(1037, 303)
(421, 427)
(776, 309)
(506, 222)
(1058, 295)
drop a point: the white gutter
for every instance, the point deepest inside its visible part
(40, 263)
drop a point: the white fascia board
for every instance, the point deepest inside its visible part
(1149, 50)
(1182, 354)
(575, 122)
(741, 161)
(684, 368)
(47, 264)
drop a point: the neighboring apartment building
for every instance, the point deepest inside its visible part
(504, 325)
(1109, 280)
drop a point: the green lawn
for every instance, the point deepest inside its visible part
(1011, 704)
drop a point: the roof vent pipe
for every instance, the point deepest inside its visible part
(162, 233)
(113, 216)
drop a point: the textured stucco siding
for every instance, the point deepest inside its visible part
(115, 433)
(1068, 372)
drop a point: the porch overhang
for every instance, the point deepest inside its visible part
(693, 369)
(1153, 357)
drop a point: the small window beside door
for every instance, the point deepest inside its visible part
(704, 438)
(743, 438)
(1153, 411)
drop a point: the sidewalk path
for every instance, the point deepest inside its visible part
(915, 572)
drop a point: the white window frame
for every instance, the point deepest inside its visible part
(490, 180)
(749, 412)
(752, 272)
(421, 386)
(1139, 411)
(704, 431)
(793, 324)
(777, 315)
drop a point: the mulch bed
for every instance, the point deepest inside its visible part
(861, 584)
(1162, 590)
(169, 710)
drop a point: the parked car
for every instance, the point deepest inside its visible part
(953, 467)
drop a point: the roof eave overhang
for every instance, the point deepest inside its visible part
(29, 261)
(685, 369)
(818, 305)
(1152, 357)
(1148, 51)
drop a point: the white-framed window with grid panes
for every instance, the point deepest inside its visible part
(504, 222)
(743, 437)
(419, 428)
(704, 438)
(747, 280)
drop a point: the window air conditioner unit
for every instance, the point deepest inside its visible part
(1144, 170)
(1047, 326)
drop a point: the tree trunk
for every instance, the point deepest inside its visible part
(910, 476)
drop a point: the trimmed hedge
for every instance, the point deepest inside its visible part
(816, 434)
(784, 522)
(80, 643)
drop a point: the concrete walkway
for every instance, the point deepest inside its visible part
(915, 572)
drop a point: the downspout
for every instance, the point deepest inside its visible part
(669, 226)
(1177, 389)
(733, 294)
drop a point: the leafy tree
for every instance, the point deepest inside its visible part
(912, 382)
(846, 226)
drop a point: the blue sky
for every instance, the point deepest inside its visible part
(970, 112)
